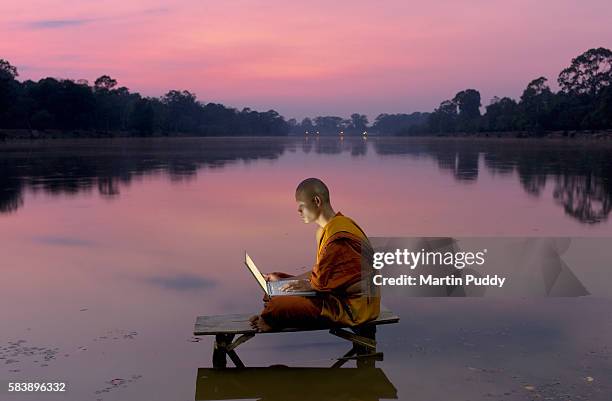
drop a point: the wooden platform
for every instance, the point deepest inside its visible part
(239, 324)
(226, 327)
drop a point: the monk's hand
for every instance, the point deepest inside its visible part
(297, 285)
(275, 276)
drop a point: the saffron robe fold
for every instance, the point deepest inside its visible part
(346, 296)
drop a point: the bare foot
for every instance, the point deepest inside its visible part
(262, 325)
(258, 323)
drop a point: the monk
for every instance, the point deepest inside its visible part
(345, 294)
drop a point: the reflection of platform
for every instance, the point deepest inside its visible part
(299, 383)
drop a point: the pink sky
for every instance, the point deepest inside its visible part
(305, 58)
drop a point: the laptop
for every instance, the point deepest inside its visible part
(272, 288)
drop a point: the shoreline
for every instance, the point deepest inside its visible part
(26, 134)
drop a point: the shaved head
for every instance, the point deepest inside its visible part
(312, 197)
(312, 187)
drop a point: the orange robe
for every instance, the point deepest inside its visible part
(346, 296)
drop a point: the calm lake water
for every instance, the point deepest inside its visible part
(111, 248)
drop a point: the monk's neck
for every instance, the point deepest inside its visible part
(326, 215)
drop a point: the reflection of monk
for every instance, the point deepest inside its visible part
(345, 297)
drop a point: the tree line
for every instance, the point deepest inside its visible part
(64, 104)
(583, 102)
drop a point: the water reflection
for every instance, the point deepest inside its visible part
(70, 167)
(580, 173)
(294, 383)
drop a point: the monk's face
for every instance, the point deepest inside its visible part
(308, 206)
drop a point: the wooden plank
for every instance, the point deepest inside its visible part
(366, 342)
(242, 339)
(239, 324)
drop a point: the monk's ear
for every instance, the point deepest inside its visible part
(317, 200)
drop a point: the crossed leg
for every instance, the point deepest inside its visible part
(288, 311)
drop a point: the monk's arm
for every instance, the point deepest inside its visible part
(337, 267)
(303, 276)
(281, 276)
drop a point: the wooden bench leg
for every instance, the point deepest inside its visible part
(366, 331)
(341, 361)
(364, 346)
(219, 358)
(234, 357)
(361, 350)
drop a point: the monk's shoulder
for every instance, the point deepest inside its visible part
(344, 237)
(342, 241)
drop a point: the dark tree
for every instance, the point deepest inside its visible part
(307, 125)
(7, 71)
(358, 123)
(59, 104)
(535, 105)
(114, 105)
(400, 124)
(588, 73)
(293, 125)
(142, 118)
(501, 115)
(444, 118)
(600, 117)
(468, 103)
(329, 125)
(184, 111)
(104, 83)
(8, 89)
